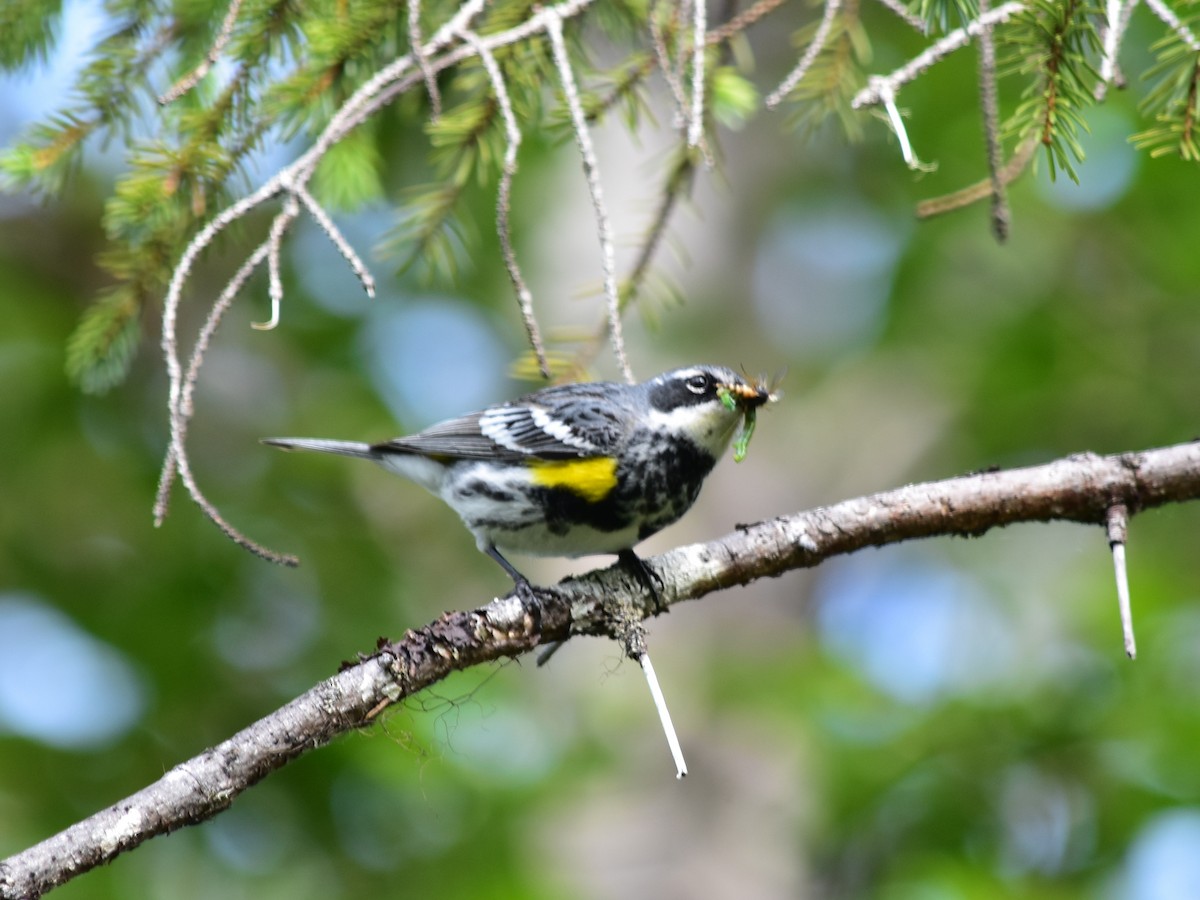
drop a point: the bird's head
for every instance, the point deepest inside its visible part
(706, 403)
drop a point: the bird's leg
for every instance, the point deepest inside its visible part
(647, 576)
(524, 589)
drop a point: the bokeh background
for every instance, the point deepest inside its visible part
(946, 719)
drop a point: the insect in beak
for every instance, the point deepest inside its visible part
(747, 398)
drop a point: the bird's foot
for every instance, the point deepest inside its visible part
(529, 598)
(648, 578)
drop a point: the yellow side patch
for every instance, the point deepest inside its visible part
(591, 479)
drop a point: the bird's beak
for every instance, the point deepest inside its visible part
(749, 396)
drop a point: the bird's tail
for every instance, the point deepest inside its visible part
(342, 448)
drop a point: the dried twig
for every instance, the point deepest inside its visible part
(742, 21)
(673, 190)
(699, 30)
(991, 125)
(591, 171)
(291, 209)
(1112, 39)
(503, 199)
(177, 463)
(1167, 15)
(810, 55)
(663, 57)
(357, 266)
(917, 23)
(418, 53)
(1118, 532)
(878, 85)
(1110, 70)
(192, 78)
(1017, 163)
(888, 98)
(664, 714)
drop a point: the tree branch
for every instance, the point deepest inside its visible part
(1080, 488)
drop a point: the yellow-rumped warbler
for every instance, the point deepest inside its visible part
(574, 469)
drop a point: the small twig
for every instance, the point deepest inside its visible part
(503, 197)
(888, 99)
(1167, 15)
(291, 209)
(683, 12)
(699, 30)
(675, 188)
(873, 93)
(663, 57)
(1112, 38)
(664, 714)
(632, 635)
(392, 81)
(658, 227)
(1110, 69)
(335, 235)
(742, 21)
(170, 339)
(810, 55)
(671, 75)
(183, 412)
(190, 80)
(1016, 164)
(591, 169)
(418, 53)
(1118, 532)
(916, 22)
(991, 125)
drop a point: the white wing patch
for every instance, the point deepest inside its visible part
(497, 424)
(530, 429)
(559, 430)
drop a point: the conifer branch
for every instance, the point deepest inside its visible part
(874, 92)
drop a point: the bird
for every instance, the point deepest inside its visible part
(574, 469)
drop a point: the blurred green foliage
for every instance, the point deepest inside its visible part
(969, 730)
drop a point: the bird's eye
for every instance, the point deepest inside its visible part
(698, 384)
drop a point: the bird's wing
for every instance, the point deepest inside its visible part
(535, 426)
